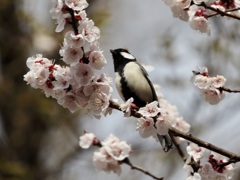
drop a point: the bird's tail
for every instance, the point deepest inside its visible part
(165, 141)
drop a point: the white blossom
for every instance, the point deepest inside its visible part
(40, 71)
(33, 63)
(70, 101)
(195, 151)
(197, 19)
(112, 152)
(202, 82)
(118, 150)
(37, 79)
(98, 103)
(218, 81)
(183, 3)
(145, 127)
(80, 15)
(58, 14)
(200, 24)
(71, 55)
(150, 110)
(98, 84)
(126, 107)
(90, 32)
(209, 86)
(82, 73)
(74, 41)
(179, 12)
(82, 99)
(62, 78)
(209, 164)
(195, 176)
(77, 5)
(213, 96)
(162, 125)
(181, 124)
(97, 60)
(104, 162)
(200, 1)
(86, 140)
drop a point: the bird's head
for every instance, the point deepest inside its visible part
(121, 57)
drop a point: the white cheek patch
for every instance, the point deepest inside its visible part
(127, 55)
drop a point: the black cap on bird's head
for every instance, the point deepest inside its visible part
(121, 57)
(119, 50)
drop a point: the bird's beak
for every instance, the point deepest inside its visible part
(112, 51)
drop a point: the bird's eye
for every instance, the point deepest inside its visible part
(127, 55)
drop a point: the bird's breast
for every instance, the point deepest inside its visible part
(137, 81)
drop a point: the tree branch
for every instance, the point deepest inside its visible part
(205, 144)
(128, 162)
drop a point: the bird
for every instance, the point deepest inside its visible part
(132, 81)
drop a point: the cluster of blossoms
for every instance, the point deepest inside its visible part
(77, 85)
(156, 120)
(171, 114)
(148, 125)
(203, 164)
(111, 153)
(190, 10)
(210, 87)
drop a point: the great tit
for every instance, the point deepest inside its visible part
(132, 81)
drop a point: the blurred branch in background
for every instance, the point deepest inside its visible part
(37, 136)
(26, 117)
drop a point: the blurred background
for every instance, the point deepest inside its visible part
(39, 138)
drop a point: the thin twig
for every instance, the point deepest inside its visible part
(177, 145)
(229, 90)
(229, 10)
(128, 162)
(232, 10)
(230, 161)
(222, 13)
